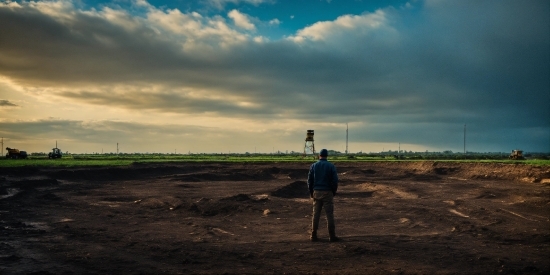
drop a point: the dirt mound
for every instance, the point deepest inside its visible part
(264, 174)
(491, 171)
(293, 173)
(274, 170)
(368, 171)
(445, 170)
(488, 195)
(239, 197)
(297, 189)
(358, 172)
(436, 170)
(164, 202)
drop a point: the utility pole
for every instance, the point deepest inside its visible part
(117, 148)
(2, 146)
(346, 138)
(464, 139)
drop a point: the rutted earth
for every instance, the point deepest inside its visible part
(393, 217)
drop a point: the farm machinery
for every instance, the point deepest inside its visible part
(517, 155)
(15, 153)
(55, 153)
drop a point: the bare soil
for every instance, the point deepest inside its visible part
(217, 218)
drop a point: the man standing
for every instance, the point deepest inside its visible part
(322, 181)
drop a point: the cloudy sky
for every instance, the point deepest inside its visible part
(253, 75)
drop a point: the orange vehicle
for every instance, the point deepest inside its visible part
(15, 153)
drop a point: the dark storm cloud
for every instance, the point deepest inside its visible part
(433, 67)
(86, 49)
(6, 103)
(165, 102)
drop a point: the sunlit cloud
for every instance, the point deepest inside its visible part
(274, 22)
(347, 27)
(241, 20)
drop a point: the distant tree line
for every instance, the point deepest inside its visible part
(402, 155)
(449, 155)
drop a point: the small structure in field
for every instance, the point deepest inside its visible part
(517, 155)
(309, 146)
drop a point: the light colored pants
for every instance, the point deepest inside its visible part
(323, 199)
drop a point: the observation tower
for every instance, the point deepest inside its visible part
(309, 146)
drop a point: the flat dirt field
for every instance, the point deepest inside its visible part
(235, 218)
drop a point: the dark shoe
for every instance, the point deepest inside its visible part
(332, 235)
(313, 237)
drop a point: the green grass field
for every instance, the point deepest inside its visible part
(124, 160)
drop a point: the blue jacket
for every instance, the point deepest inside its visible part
(322, 176)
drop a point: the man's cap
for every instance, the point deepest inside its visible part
(323, 153)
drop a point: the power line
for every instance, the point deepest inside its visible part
(464, 138)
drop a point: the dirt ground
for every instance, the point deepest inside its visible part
(217, 218)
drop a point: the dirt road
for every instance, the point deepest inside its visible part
(393, 217)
